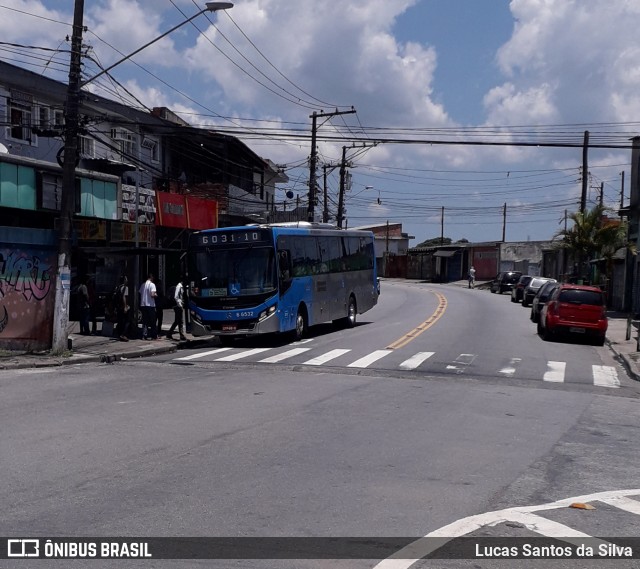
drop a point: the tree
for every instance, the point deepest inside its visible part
(593, 236)
(435, 242)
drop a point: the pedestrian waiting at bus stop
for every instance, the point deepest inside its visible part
(148, 309)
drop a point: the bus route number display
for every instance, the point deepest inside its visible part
(232, 238)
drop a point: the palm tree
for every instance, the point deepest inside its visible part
(594, 236)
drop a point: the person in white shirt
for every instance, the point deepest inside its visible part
(472, 277)
(178, 309)
(148, 309)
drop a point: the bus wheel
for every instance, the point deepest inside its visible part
(301, 325)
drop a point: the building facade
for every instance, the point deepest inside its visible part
(145, 180)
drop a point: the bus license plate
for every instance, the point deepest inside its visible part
(577, 330)
(229, 327)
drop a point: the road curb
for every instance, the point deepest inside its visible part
(629, 364)
(33, 363)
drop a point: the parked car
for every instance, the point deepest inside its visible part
(540, 299)
(574, 309)
(505, 281)
(516, 291)
(532, 289)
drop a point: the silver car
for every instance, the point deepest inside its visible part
(540, 299)
(531, 289)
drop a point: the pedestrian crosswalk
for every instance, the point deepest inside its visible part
(387, 359)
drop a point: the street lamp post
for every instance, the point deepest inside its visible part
(67, 206)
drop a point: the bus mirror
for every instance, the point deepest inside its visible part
(284, 263)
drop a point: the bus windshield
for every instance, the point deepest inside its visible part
(234, 272)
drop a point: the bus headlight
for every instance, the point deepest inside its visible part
(266, 313)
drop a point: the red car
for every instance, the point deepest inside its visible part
(575, 309)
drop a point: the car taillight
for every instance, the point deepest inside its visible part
(553, 307)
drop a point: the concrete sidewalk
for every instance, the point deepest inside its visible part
(98, 348)
(620, 327)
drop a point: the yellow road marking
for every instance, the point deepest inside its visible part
(413, 334)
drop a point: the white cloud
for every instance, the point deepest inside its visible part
(568, 62)
(584, 49)
(344, 58)
(509, 106)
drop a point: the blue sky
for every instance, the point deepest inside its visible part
(463, 75)
(426, 77)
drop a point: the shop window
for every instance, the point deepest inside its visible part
(98, 199)
(17, 186)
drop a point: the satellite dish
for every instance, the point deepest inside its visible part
(289, 194)
(3, 149)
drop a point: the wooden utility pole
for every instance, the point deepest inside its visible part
(585, 171)
(343, 177)
(621, 193)
(504, 223)
(325, 208)
(313, 159)
(442, 226)
(601, 194)
(387, 238)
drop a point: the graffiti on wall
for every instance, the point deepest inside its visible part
(26, 297)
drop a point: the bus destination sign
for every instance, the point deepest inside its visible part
(249, 236)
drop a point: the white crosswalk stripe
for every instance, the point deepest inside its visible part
(602, 376)
(284, 355)
(324, 358)
(202, 354)
(555, 372)
(241, 355)
(414, 361)
(605, 376)
(367, 360)
(510, 369)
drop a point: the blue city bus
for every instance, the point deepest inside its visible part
(258, 279)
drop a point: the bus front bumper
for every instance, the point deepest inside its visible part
(267, 325)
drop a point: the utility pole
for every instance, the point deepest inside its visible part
(442, 227)
(601, 194)
(325, 208)
(585, 171)
(325, 205)
(504, 223)
(621, 193)
(67, 206)
(343, 172)
(313, 159)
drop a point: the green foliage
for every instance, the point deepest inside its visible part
(593, 234)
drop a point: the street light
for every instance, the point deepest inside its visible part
(63, 281)
(210, 7)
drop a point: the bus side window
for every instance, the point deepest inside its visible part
(284, 262)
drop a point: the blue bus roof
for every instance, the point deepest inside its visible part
(300, 228)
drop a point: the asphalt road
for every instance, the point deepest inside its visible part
(198, 447)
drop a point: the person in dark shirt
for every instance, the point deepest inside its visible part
(85, 306)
